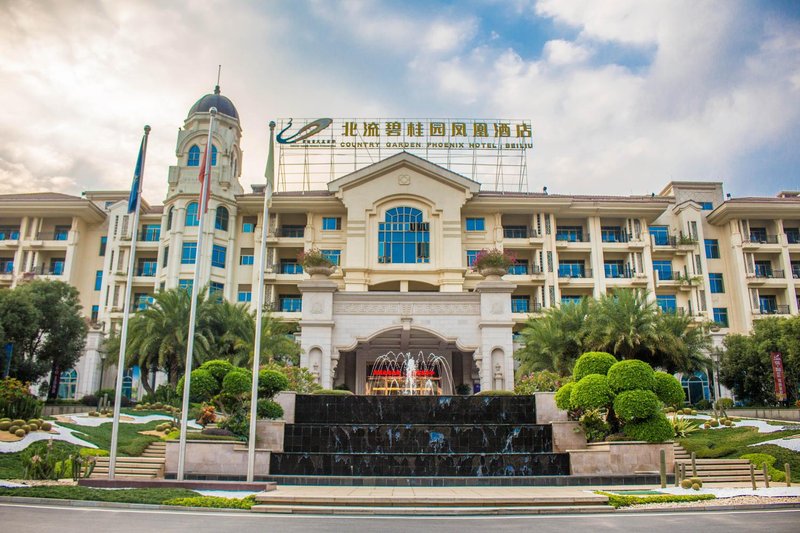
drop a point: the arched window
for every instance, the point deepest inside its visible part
(68, 384)
(696, 387)
(127, 383)
(221, 221)
(169, 217)
(192, 218)
(404, 237)
(213, 155)
(194, 156)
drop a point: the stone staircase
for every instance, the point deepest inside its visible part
(716, 470)
(150, 465)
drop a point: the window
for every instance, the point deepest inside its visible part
(569, 233)
(570, 299)
(103, 245)
(520, 304)
(664, 269)
(571, 268)
(68, 384)
(189, 253)
(221, 220)
(515, 232)
(185, 284)
(793, 235)
(150, 233)
(331, 223)
(795, 269)
(712, 249)
(614, 268)
(249, 224)
(192, 217)
(758, 235)
(213, 155)
(246, 256)
(165, 260)
(476, 224)
(292, 230)
(767, 304)
(291, 266)
(244, 295)
(520, 268)
(334, 256)
(7, 265)
(169, 217)
(660, 235)
(403, 237)
(717, 286)
(95, 313)
(9, 233)
(218, 254)
(291, 304)
(146, 267)
(215, 289)
(471, 256)
(98, 280)
(141, 300)
(57, 267)
(61, 233)
(194, 156)
(707, 206)
(612, 234)
(763, 269)
(721, 316)
(667, 303)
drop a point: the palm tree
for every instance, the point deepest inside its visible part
(624, 324)
(231, 324)
(683, 344)
(554, 341)
(277, 342)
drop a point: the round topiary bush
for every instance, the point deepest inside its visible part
(5, 425)
(636, 405)
(203, 386)
(218, 368)
(668, 389)
(695, 486)
(237, 383)
(592, 363)
(714, 423)
(654, 429)
(13, 429)
(696, 481)
(563, 396)
(20, 432)
(271, 382)
(631, 375)
(591, 392)
(686, 484)
(269, 409)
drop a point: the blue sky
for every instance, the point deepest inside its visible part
(623, 95)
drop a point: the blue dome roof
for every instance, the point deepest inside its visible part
(222, 103)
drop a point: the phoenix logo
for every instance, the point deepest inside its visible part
(310, 129)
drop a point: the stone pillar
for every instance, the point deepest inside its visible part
(496, 343)
(316, 326)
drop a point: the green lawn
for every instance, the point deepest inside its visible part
(731, 443)
(11, 464)
(152, 496)
(131, 443)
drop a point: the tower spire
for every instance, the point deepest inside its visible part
(219, 73)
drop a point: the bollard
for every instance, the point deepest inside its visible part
(766, 475)
(683, 471)
(663, 468)
(788, 469)
(753, 476)
(677, 475)
(694, 464)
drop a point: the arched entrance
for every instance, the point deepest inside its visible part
(356, 367)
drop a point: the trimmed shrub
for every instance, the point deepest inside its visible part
(203, 386)
(563, 396)
(636, 405)
(271, 382)
(269, 409)
(668, 389)
(331, 392)
(591, 392)
(686, 484)
(217, 432)
(723, 404)
(90, 400)
(632, 374)
(696, 481)
(759, 459)
(218, 368)
(654, 429)
(592, 363)
(237, 383)
(5, 425)
(20, 433)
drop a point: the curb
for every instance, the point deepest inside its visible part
(343, 510)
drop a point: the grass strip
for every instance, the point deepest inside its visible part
(216, 502)
(618, 500)
(151, 496)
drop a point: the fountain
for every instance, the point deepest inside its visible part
(409, 375)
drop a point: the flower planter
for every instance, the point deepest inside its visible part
(320, 272)
(492, 273)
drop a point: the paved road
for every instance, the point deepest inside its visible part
(19, 517)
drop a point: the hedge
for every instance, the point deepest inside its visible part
(632, 374)
(591, 392)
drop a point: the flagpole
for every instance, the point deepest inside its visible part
(112, 460)
(187, 377)
(270, 175)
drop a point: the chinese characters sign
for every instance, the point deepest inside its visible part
(780, 379)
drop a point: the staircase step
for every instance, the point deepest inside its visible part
(96, 475)
(430, 511)
(151, 460)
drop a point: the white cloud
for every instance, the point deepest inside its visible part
(561, 52)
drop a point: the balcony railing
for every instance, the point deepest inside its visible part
(149, 235)
(774, 310)
(572, 237)
(517, 232)
(43, 270)
(671, 275)
(9, 235)
(52, 235)
(146, 271)
(522, 270)
(7, 268)
(614, 272)
(756, 238)
(574, 272)
(767, 273)
(613, 237)
(659, 239)
(524, 306)
(792, 237)
(290, 232)
(796, 272)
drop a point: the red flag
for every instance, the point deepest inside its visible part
(202, 178)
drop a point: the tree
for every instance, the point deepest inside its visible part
(624, 324)
(43, 319)
(682, 344)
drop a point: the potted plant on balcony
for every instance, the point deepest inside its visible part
(494, 263)
(316, 264)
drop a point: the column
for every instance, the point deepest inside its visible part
(496, 342)
(316, 325)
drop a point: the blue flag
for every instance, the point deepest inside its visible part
(136, 186)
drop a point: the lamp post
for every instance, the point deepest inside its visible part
(9, 349)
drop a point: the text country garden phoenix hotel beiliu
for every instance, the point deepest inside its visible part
(403, 231)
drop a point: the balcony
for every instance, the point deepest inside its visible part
(756, 240)
(570, 271)
(524, 306)
(149, 235)
(43, 270)
(796, 272)
(770, 310)
(9, 236)
(766, 273)
(793, 237)
(524, 269)
(615, 271)
(57, 235)
(520, 232)
(571, 237)
(291, 232)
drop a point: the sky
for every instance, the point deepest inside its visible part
(623, 95)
